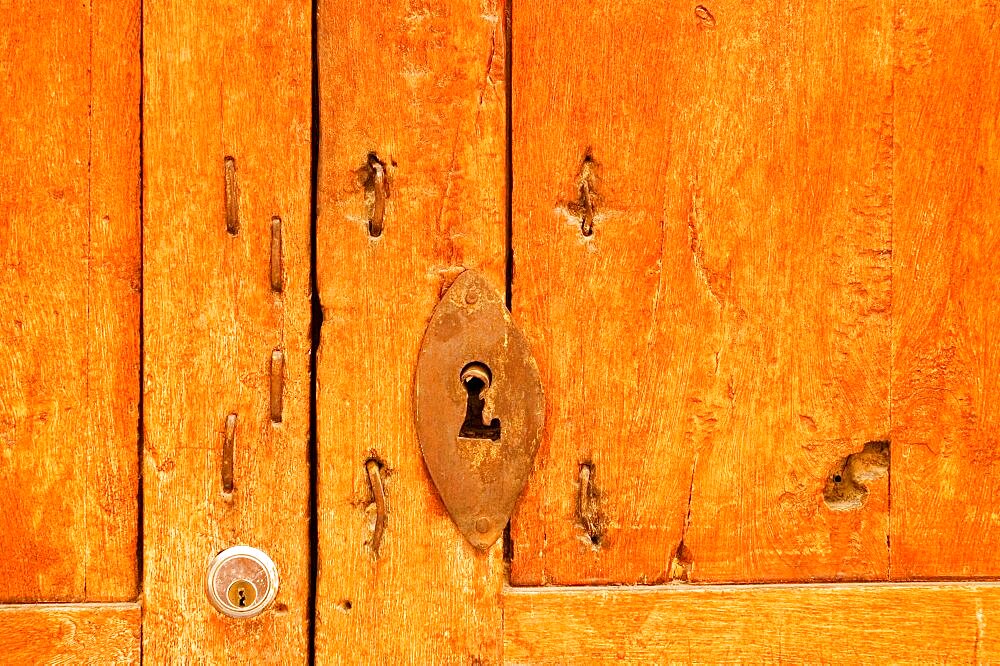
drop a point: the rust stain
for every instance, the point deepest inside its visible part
(478, 407)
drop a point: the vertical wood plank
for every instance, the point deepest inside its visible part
(225, 81)
(946, 465)
(718, 347)
(788, 492)
(419, 86)
(69, 245)
(115, 254)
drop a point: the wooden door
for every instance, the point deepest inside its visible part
(751, 246)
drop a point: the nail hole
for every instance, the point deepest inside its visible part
(277, 278)
(232, 197)
(375, 181)
(586, 204)
(228, 447)
(705, 16)
(376, 484)
(588, 505)
(277, 385)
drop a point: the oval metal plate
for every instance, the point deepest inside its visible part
(479, 480)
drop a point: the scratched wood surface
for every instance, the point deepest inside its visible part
(70, 633)
(419, 93)
(69, 294)
(946, 460)
(868, 623)
(719, 346)
(225, 83)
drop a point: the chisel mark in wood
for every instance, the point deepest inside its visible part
(228, 447)
(232, 197)
(680, 567)
(277, 384)
(375, 181)
(809, 423)
(715, 282)
(487, 77)
(704, 16)
(586, 205)
(277, 277)
(845, 487)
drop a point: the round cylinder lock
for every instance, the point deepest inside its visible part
(241, 582)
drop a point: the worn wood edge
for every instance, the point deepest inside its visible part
(688, 588)
(80, 633)
(72, 607)
(883, 622)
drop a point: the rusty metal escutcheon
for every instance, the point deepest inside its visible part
(478, 406)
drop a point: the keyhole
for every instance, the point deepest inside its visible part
(476, 378)
(242, 593)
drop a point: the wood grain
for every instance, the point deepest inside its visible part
(874, 623)
(69, 245)
(225, 80)
(946, 458)
(420, 88)
(720, 344)
(70, 633)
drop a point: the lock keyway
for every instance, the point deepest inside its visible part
(476, 379)
(242, 594)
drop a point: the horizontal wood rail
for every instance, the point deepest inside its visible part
(70, 633)
(823, 623)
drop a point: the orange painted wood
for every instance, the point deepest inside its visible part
(421, 90)
(70, 633)
(225, 80)
(946, 365)
(720, 344)
(874, 623)
(69, 294)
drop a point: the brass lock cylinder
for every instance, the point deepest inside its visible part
(242, 581)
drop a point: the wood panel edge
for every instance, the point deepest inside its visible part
(822, 622)
(81, 633)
